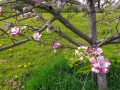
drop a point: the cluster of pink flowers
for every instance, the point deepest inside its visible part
(37, 36)
(56, 45)
(100, 65)
(98, 62)
(15, 31)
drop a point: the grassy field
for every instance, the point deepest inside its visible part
(33, 66)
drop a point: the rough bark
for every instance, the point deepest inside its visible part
(92, 21)
(102, 82)
(101, 78)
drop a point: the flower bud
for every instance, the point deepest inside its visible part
(56, 45)
(37, 36)
(15, 31)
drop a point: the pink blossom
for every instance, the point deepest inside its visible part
(83, 47)
(38, 1)
(24, 27)
(15, 31)
(7, 25)
(97, 51)
(100, 70)
(1, 10)
(96, 70)
(104, 70)
(103, 62)
(43, 2)
(92, 60)
(76, 52)
(37, 36)
(93, 54)
(59, 4)
(101, 65)
(56, 45)
(96, 64)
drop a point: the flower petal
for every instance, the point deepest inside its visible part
(96, 70)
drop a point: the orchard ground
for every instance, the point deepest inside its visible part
(33, 66)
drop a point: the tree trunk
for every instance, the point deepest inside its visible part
(92, 21)
(100, 78)
(102, 83)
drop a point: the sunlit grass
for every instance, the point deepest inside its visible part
(36, 67)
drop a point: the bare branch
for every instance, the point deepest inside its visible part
(16, 14)
(64, 21)
(68, 38)
(114, 42)
(109, 39)
(8, 3)
(58, 31)
(76, 3)
(15, 44)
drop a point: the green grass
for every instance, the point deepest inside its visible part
(33, 66)
(56, 76)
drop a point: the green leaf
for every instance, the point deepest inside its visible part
(85, 69)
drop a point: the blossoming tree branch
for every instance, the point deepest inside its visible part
(88, 52)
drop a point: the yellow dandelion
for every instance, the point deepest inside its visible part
(20, 66)
(25, 66)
